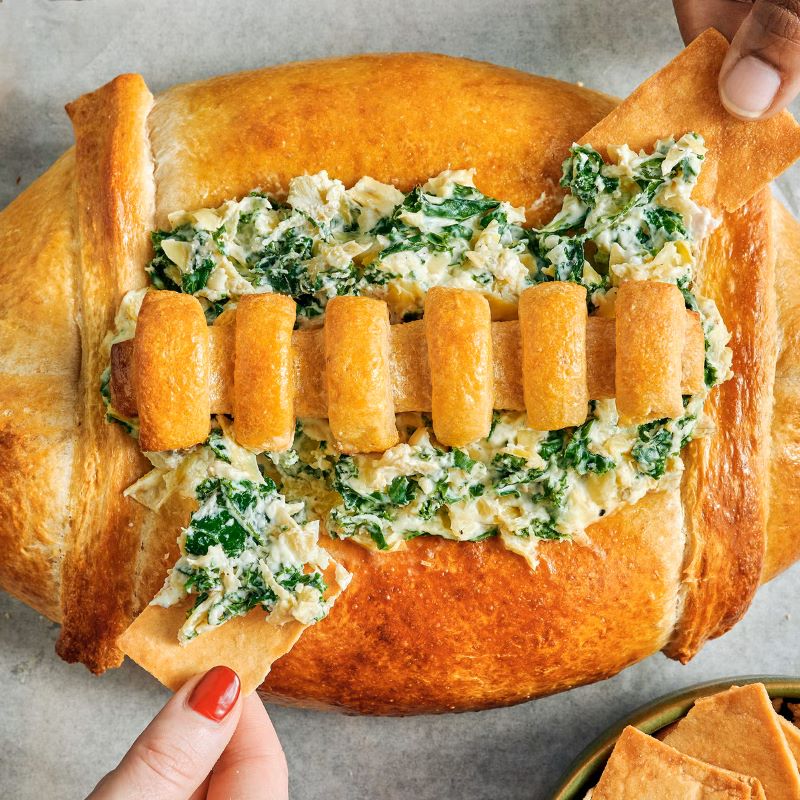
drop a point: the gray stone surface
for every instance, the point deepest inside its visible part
(61, 728)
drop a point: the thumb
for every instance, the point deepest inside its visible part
(180, 746)
(761, 72)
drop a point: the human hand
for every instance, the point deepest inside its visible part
(761, 72)
(205, 726)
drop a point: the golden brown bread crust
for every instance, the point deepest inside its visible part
(400, 118)
(783, 531)
(115, 209)
(448, 626)
(726, 515)
(439, 625)
(38, 382)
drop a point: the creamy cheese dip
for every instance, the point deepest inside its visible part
(631, 218)
(326, 240)
(518, 484)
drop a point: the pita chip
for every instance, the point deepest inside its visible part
(249, 645)
(642, 767)
(740, 731)
(742, 156)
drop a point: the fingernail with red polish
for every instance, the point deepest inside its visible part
(216, 694)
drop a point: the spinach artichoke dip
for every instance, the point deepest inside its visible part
(254, 538)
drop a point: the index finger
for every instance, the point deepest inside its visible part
(696, 16)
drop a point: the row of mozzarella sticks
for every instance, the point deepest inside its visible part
(358, 371)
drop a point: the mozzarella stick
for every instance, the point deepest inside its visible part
(552, 321)
(357, 365)
(458, 329)
(651, 331)
(263, 372)
(171, 364)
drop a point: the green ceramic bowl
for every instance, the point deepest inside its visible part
(586, 770)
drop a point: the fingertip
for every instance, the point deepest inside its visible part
(255, 706)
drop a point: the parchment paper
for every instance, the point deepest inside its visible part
(60, 728)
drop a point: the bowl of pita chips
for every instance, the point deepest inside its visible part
(735, 739)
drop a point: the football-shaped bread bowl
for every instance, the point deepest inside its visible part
(438, 625)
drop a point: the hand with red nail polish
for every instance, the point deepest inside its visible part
(207, 743)
(761, 72)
